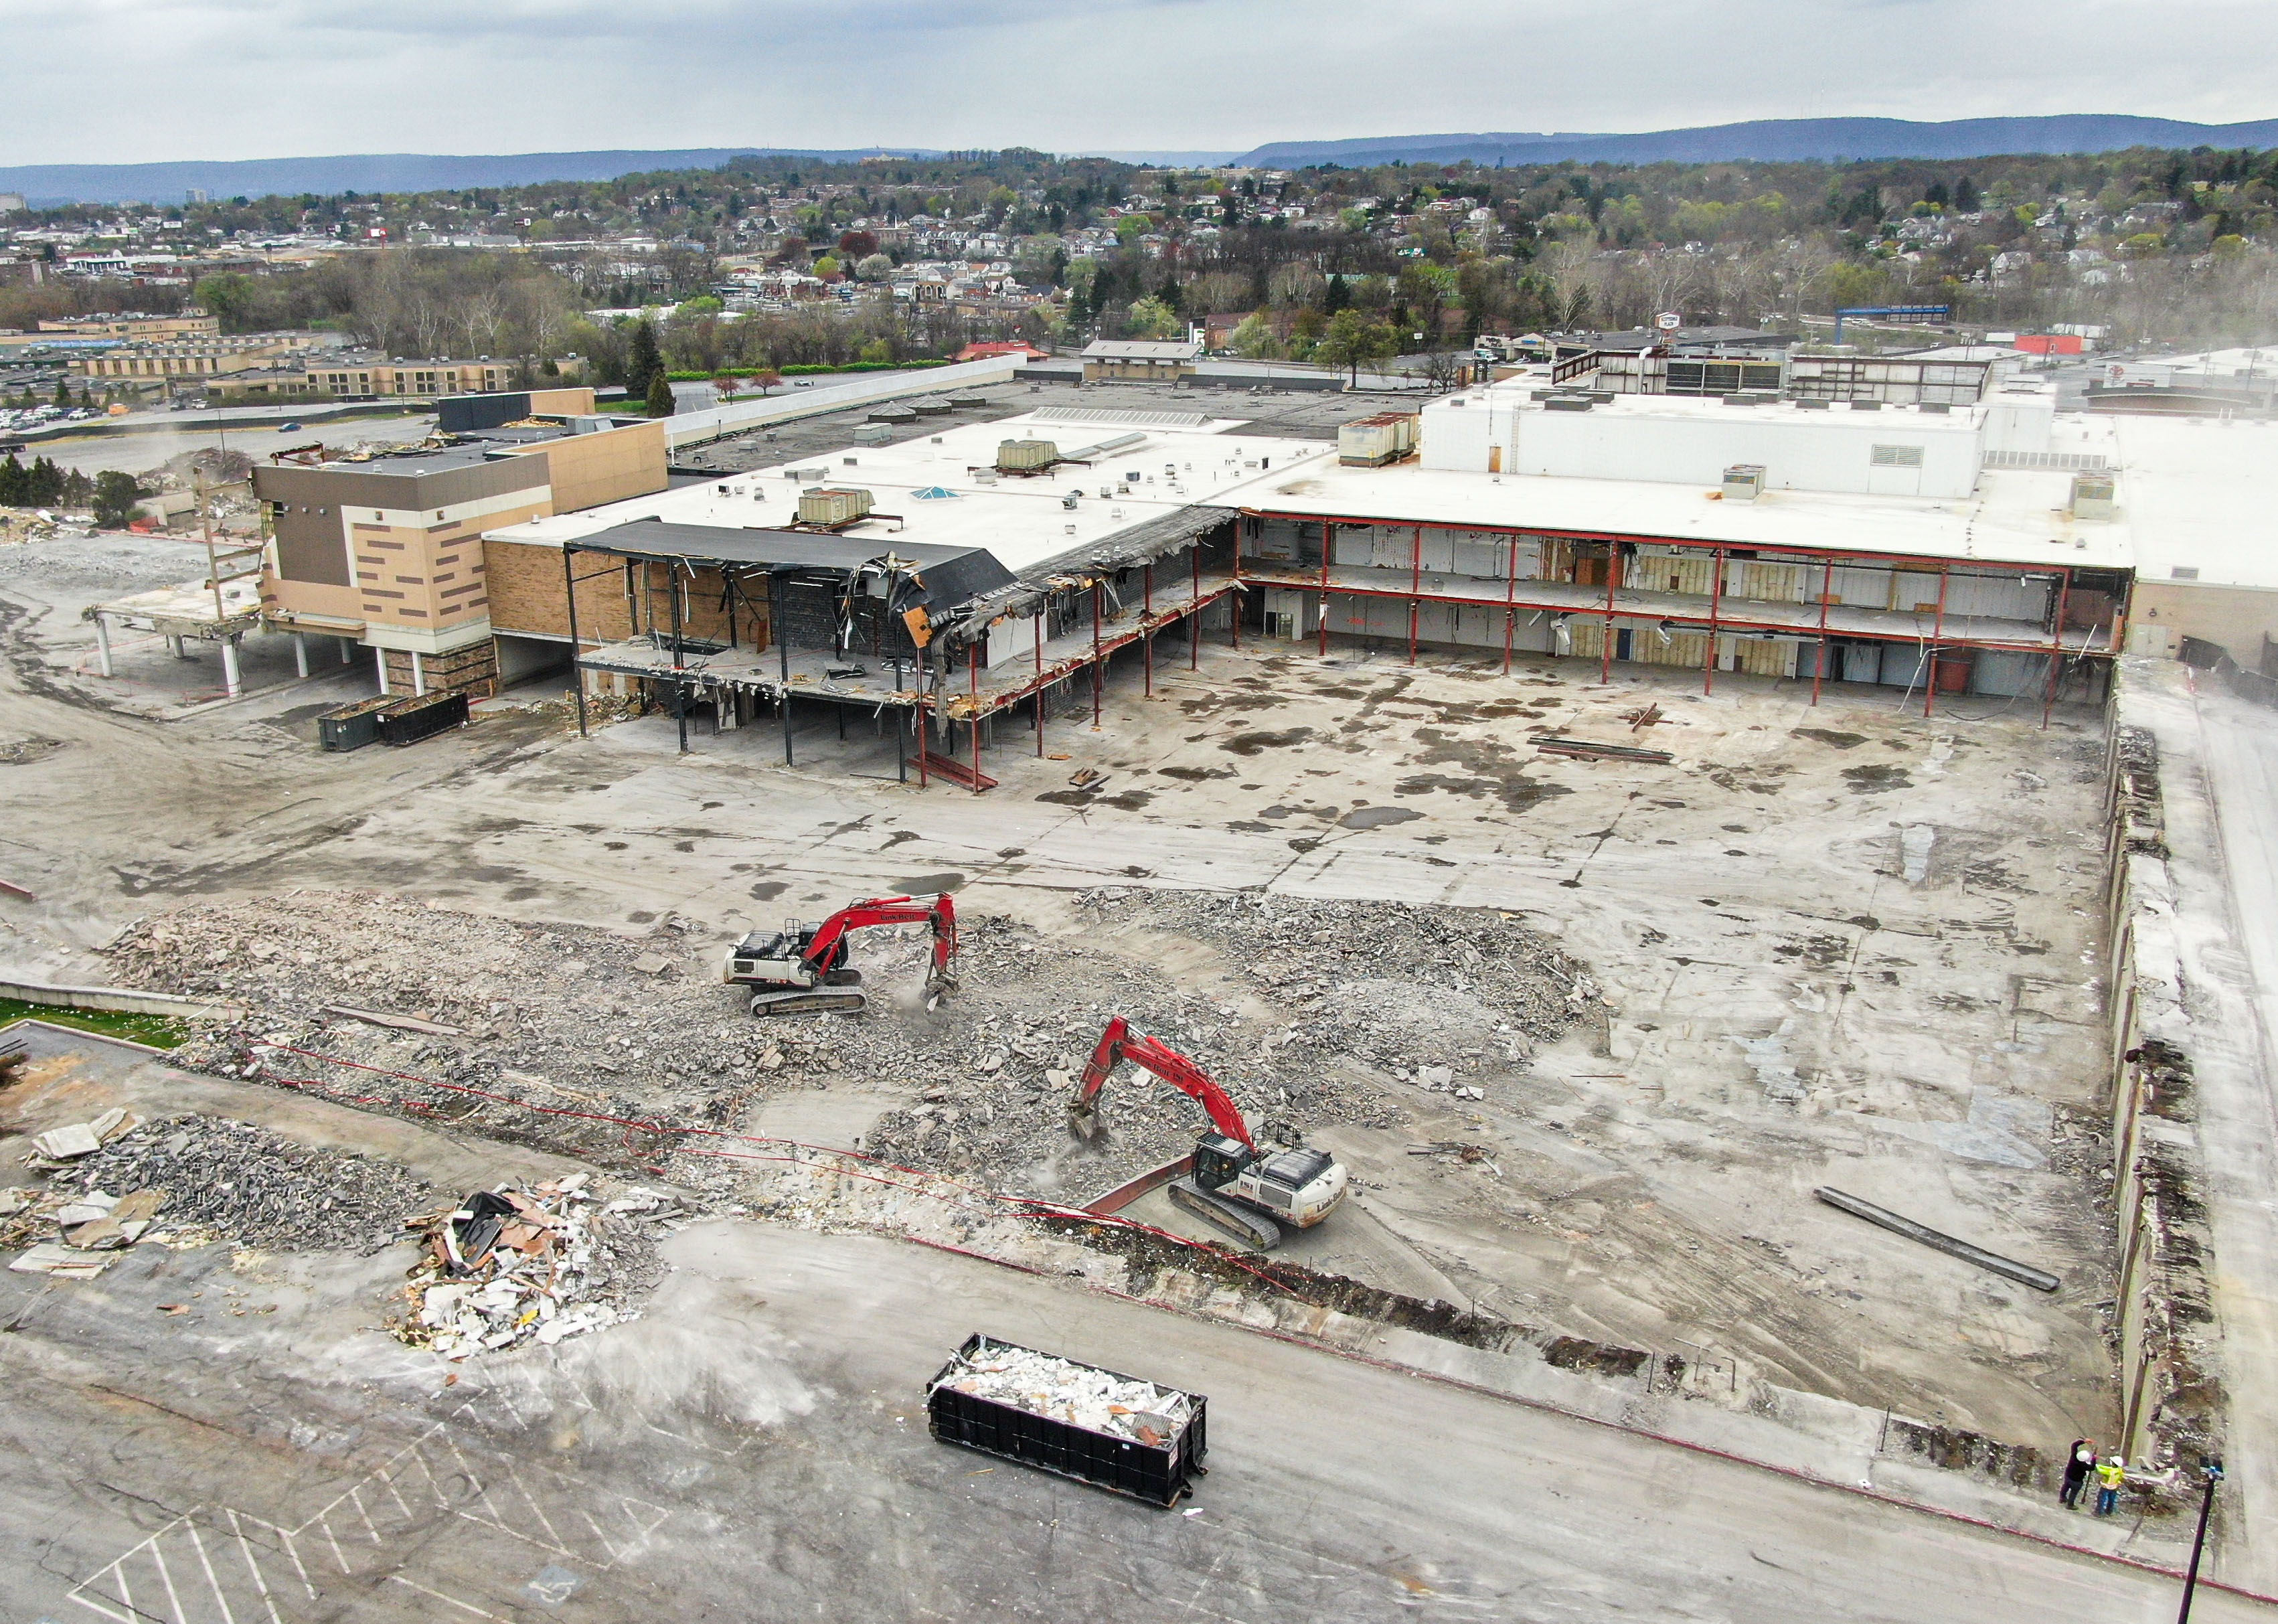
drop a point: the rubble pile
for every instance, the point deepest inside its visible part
(515, 1265)
(244, 1184)
(1062, 1389)
(1331, 1011)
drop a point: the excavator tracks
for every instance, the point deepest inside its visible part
(1253, 1229)
(813, 1001)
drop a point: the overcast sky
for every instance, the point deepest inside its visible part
(134, 80)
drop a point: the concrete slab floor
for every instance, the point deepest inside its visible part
(1840, 944)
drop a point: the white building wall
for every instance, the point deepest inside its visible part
(1831, 450)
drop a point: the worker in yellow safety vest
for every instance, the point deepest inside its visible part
(2111, 1472)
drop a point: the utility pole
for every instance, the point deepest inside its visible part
(2211, 1469)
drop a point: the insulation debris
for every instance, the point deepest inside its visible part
(516, 1265)
(67, 1234)
(1062, 1389)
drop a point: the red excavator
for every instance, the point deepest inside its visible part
(1246, 1192)
(801, 968)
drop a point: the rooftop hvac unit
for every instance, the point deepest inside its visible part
(1026, 455)
(832, 505)
(1370, 442)
(2091, 496)
(1744, 481)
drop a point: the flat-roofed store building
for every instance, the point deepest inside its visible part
(387, 551)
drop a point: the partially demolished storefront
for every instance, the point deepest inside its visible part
(728, 627)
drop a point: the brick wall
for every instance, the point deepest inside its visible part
(471, 670)
(526, 596)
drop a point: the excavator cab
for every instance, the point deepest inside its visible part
(1218, 1160)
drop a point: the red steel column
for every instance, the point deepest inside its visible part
(1716, 602)
(973, 672)
(1937, 630)
(1415, 588)
(1039, 689)
(1329, 541)
(2056, 647)
(1510, 596)
(1095, 672)
(1147, 628)
(1606, 654)
(1195, 626)
(1819, 666)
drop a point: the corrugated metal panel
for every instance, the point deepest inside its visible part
(1481, 558)
(1862, 588)
(1390, 548)
(1438, 552)
(2002, 597)
(1913, 589)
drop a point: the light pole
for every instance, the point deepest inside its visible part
(2211, 1469)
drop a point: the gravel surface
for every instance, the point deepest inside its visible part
(257, 1188)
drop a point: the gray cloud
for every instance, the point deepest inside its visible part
(263, 78)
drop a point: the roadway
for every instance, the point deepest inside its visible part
(2218, 781)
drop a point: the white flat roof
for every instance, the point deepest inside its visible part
(2013, 518)
(2200, 494)
(1022, 521)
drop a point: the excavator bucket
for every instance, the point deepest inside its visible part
(1083, 1117)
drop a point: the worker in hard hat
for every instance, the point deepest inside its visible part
(2111, 1472)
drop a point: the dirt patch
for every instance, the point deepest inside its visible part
(1876, 779)
(1829, 736)
(1259, 740)
(22, 752)
(1198, 775)
(1378, 818)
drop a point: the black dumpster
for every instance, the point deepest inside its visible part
(1150, 1449)
(352, 727)
(415, 719)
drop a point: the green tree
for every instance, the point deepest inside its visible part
(1253, 340)
(660, 394)
(876, 349)
(643, 362)
(1152, 319)
(1351, 343)
(62, 392)
(13, 483)
(232, 298)
(115, 496)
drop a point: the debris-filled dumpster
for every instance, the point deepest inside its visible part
(352, 727)
(1115, 1431)
(415, 719)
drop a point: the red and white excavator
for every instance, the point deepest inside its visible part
(1246, 1192)
(801, 968)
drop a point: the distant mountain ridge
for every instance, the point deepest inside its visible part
(1779, 141)
(47, 184)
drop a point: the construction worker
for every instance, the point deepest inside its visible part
(2111, 1472)
(2079, 1462)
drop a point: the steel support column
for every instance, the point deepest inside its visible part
(1937, 633)
(1606, 652)
(1038, 692)
(1415, 586)
(1509, 609)
(1819, 666)
(2056, 647)
(1147, 627)
(1716, 602)
(1195, 622)
(973, 679)
(577, 677)
(1096, 674)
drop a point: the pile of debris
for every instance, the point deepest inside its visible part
(234, 1181)
(1325, 1010)
(66, 1233)
(1062, 1389)
(514, 1265)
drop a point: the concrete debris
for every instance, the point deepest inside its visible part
(65, 1232)
(61, 1144)
(396, 1023)
(257, 1188)
(517, 1264)
(1097, 1400)
(1320, 1005)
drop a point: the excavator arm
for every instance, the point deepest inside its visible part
(1118, 1043)
(828, 945)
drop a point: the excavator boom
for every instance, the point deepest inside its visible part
(1119, 1042)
